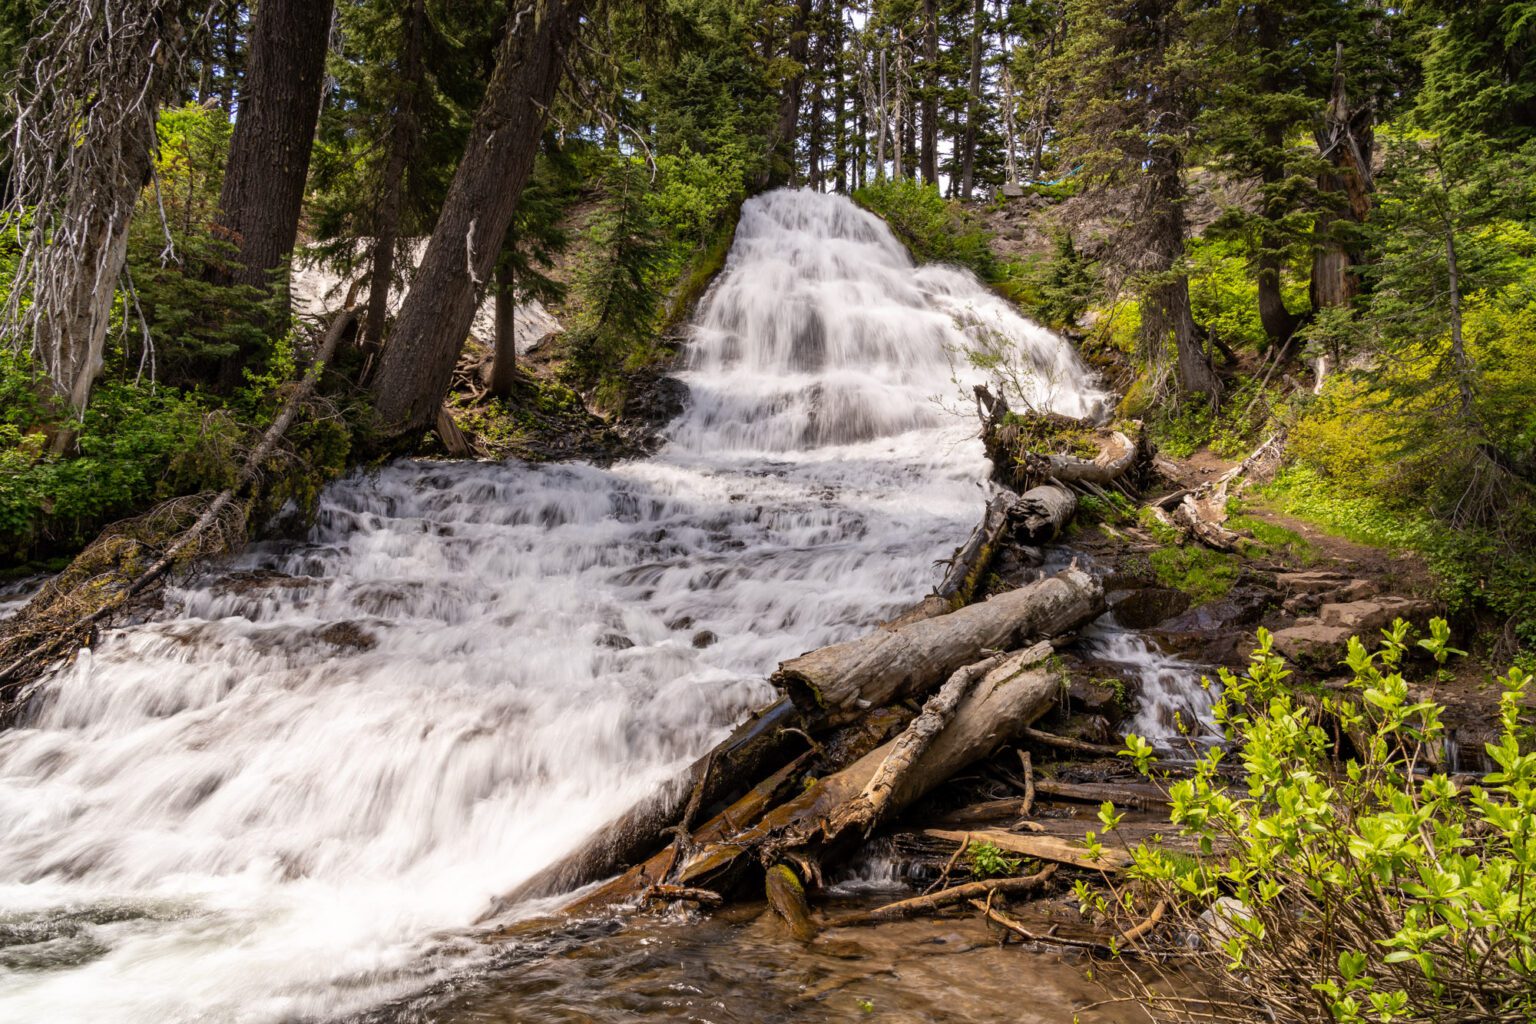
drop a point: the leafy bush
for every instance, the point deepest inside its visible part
(137, 445)
(934, 229)
(1349, 880)
(987, 861)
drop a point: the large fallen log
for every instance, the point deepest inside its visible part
(1041, 513)
(1013, 694)
(762, 743)
(848, 746)
(894, 663)
(866, 810)
(1113, 462)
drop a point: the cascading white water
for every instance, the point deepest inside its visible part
(281, 800)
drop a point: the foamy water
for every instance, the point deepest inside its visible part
(290, 797)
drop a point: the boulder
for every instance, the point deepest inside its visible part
(1312, 582)
(1313, 643)
(1366, 618)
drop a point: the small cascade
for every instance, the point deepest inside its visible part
(1174, 707)
(283, 798)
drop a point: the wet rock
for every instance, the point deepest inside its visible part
(1148, 606)
(1367, 617)
(651, 402)
(615, 641)
(704, 638)
(681, 623)
(348, 635)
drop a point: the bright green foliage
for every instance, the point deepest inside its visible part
(193, 322)
(936, 231)
(1351, 880)
(137, 445)
(1203, 574)
(986, 860)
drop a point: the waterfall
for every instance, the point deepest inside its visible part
(289, 795)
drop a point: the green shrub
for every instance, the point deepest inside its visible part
(1203, 574)
(1348, 880)
(987, 861)
(137, 445)
(933, 228)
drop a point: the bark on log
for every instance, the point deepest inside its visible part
(1007, 699)
(891, 664)
(1112, 463)
(865, 811)
(1050, 848)
(764, 741)
(786, 895)
(1041, 513)
(966, 567)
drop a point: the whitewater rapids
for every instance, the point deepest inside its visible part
(288, 797)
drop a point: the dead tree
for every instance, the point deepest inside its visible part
(82, 149)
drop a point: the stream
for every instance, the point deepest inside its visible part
(289, 795)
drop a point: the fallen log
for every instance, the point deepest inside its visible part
(846, 747)
(1113, 462)
(892, 664)
(786, 895)
(1040, 847)
(764, 741)
(966, 567)
(865, 811)
(931, 902)
(1006, 699)
(1042, 513)
(1051, 739)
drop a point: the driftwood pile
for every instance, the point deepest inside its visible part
(865, 730)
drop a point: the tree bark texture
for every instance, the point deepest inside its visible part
(504, 358)
(417, 364)
(781, 149)
(274, 132)
(403, 134)
(901, 661)
(929, 156)
(1345, 141)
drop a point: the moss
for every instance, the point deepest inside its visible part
(787, 875)
(1203, 574)
(1273, 539)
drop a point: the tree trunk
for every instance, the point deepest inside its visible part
(82, 146)
(930, 143)
(274, 132)
(1345, 141)
(972, 98)
(1167, 311)
(1010, 113)
(504, 360)
(781, 149)
(429, 333)
(897, 662)
(402, 144)
(885, 118)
